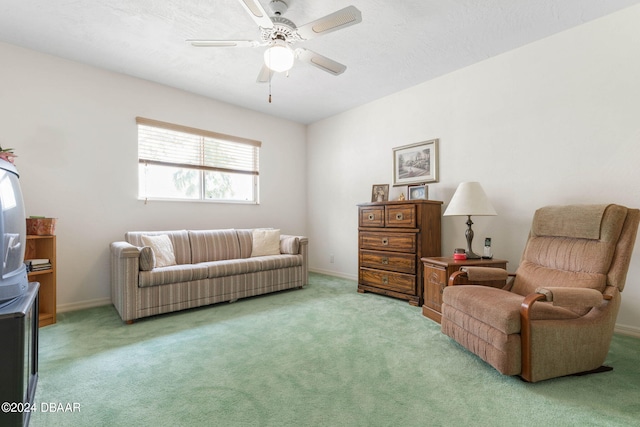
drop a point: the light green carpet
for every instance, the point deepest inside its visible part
(321, 356)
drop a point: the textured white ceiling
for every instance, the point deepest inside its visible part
(398, 44)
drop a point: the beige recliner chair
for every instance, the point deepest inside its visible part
(556, 316)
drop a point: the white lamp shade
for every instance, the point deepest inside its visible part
(279, 57)
(469, 199)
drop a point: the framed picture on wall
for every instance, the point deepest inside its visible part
(418, 192)
(416, 163)
(380, 193)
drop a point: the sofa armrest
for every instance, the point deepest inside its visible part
(124, 250)
(125, 268)
(303, 249)
(289, 244)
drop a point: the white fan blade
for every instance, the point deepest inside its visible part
(337, 20)
(322, 62)
(257, 12)
(224, 43)
(265, 75)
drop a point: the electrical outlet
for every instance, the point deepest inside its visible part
(331, 258)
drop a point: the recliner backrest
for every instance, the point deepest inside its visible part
(575, 246)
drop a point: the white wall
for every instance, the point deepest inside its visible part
(73, 128)
(554, 122)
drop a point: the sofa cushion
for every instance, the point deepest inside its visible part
(171, 274)
(251, 265)
(162, 249)
(265, 242)
(214, 245)
(289, 245)
(179, 240)
(273, 262)
(231, 267)
(245, 237)
(147, 259)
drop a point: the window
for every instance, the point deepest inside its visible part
(178, 162)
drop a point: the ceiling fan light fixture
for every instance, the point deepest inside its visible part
(279, 56)
(279, 7)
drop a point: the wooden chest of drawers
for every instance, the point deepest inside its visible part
(393, 237)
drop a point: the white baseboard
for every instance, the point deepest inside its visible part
(62, 308)
(334, 273)
(631, 331)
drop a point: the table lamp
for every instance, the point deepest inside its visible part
(469, 199)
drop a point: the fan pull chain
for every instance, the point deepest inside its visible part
(270, 76)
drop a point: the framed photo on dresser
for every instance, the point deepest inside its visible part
(380, 193)
(418, 192)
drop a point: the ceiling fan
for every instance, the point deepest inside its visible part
(280, 34)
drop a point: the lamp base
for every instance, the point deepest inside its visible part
(469, 235)
(471, 255)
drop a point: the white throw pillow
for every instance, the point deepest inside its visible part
(265, 242)
(162, 249)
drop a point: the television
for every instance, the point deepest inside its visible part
(13, 230)
(18, 307)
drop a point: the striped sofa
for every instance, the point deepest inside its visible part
(210, 266)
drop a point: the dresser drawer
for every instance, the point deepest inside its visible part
(397, 242)
(371, 216)
(399, 282)
(401, 216)
(392, 261)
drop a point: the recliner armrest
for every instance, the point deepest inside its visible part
(571, 297)
(479, 274)
(559, 296)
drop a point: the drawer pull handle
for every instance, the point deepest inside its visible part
(371, 217)
(399, 216)
(385, 260)
(385, 241)
(385, 280)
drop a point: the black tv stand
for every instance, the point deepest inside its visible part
(19, 357)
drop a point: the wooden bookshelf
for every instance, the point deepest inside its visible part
(44, 247)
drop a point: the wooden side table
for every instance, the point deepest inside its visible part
(436, 277)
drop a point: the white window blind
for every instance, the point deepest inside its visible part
(181, 146)
(180, 162)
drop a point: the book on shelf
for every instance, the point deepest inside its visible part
(39, 264)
